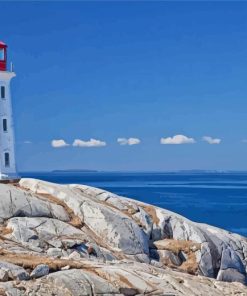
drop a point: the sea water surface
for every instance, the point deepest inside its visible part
(219, 199)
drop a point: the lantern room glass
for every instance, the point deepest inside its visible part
(1, 54)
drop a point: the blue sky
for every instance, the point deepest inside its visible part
(144, 70)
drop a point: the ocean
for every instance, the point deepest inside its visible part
(219, 199)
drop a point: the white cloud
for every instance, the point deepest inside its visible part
(244, 140)
(58, 143)
(211, 140)
(27, 142)
(130, 141)
(90, 143)
(177, 140)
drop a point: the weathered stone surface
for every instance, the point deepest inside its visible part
(211, 238)
(54, 252)
(39, 271)
(231, 268)
(64, 193)
(123, 278)
(162, 244)
(144, 221)
(75, 255)
(9, 289)
(92, 242)
(231, 275)
(99, 252)
(169, 257)
(3, 275)
(82, 283)
(14, 271)
(230, 259)
(206, 264)
(114, 228)
(47, 232)
(16, 202)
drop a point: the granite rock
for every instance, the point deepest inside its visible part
(80, 240)
(39, 271)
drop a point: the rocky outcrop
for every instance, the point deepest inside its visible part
(78, 240)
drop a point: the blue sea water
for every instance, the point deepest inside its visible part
(219, 199)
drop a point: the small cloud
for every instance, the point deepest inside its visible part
(177, 140)
(90, 143)
(58, 143)
(130, 141)
(27, 142)
(244, 140)
(211, 140)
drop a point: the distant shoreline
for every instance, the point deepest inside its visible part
(137, 172)
(74, 171)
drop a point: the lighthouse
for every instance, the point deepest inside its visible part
(7, 141)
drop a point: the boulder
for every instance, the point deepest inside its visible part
(39, 271)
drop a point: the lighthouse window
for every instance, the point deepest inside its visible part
(1, 54)
(6, 159)
(2, 92)
(5, 127)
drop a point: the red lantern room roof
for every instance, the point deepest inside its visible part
(2, 44)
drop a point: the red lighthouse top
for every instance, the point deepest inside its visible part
(3, 56)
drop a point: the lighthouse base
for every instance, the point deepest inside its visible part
(7, 177)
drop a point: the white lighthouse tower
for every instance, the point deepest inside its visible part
(7, 143)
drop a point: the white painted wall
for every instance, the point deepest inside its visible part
(7, 141)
